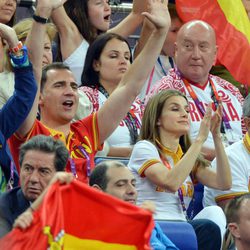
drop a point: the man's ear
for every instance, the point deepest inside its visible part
(234, 229)
(97, 187)
(40, 102)
(175, 49)
(215, 55)
(96, 65)
(247, 122)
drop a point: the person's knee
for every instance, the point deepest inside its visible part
(212, 229)
(208, 234)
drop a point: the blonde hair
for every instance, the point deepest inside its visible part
(22, 30)
(23, 27)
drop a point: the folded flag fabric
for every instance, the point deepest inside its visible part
(232, 26)
(76, 216)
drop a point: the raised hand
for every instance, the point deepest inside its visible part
(9, 35)
(148, 205)
(216, 121)
(158, 13)
(205, 124)
(139, 6)
(62, 178)
(47, 6)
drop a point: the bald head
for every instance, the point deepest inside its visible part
(195, 50)
(202, 26)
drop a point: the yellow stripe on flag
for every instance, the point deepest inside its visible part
(72, 242)
(236, 15)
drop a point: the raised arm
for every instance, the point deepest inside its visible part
(70, 37)
(130, 85)
(35, 48)
(221, 179)
(130, 23)
(19, 104)
(147, 29)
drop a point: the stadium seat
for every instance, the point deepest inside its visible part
(99, 159)
(180, 233)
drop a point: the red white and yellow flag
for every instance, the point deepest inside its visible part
(76, 216)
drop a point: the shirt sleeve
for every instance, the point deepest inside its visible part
(144, 155)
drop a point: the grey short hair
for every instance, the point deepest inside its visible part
(246, 106)
(46, 144)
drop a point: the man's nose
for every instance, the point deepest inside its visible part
(34, 176)
(196, 52)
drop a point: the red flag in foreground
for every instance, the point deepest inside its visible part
(232, 27)
(76, 216)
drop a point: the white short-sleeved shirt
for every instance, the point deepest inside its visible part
(77, 59)
(239, 160)
(168, 205)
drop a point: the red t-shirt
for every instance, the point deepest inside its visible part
(84, 135)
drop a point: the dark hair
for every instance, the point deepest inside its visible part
(99, 173)
(77, 10)
(172, 11)
(12, 20)
(56, 65)
(90, 77)
(46, 144)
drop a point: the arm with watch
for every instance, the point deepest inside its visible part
(17, 108)
(35, 47)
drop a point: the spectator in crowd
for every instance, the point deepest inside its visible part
(83, 22)
(22, 29)
(166, 165)
(238, 213)
(15, 111)
(194, 56)
(7, 12)
(165, 61)
(115, 178)
(59, 99)
(239, 159)
(108, 59)
(40, 158)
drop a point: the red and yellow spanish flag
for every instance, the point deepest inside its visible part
(76, 216)
(232, 27)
